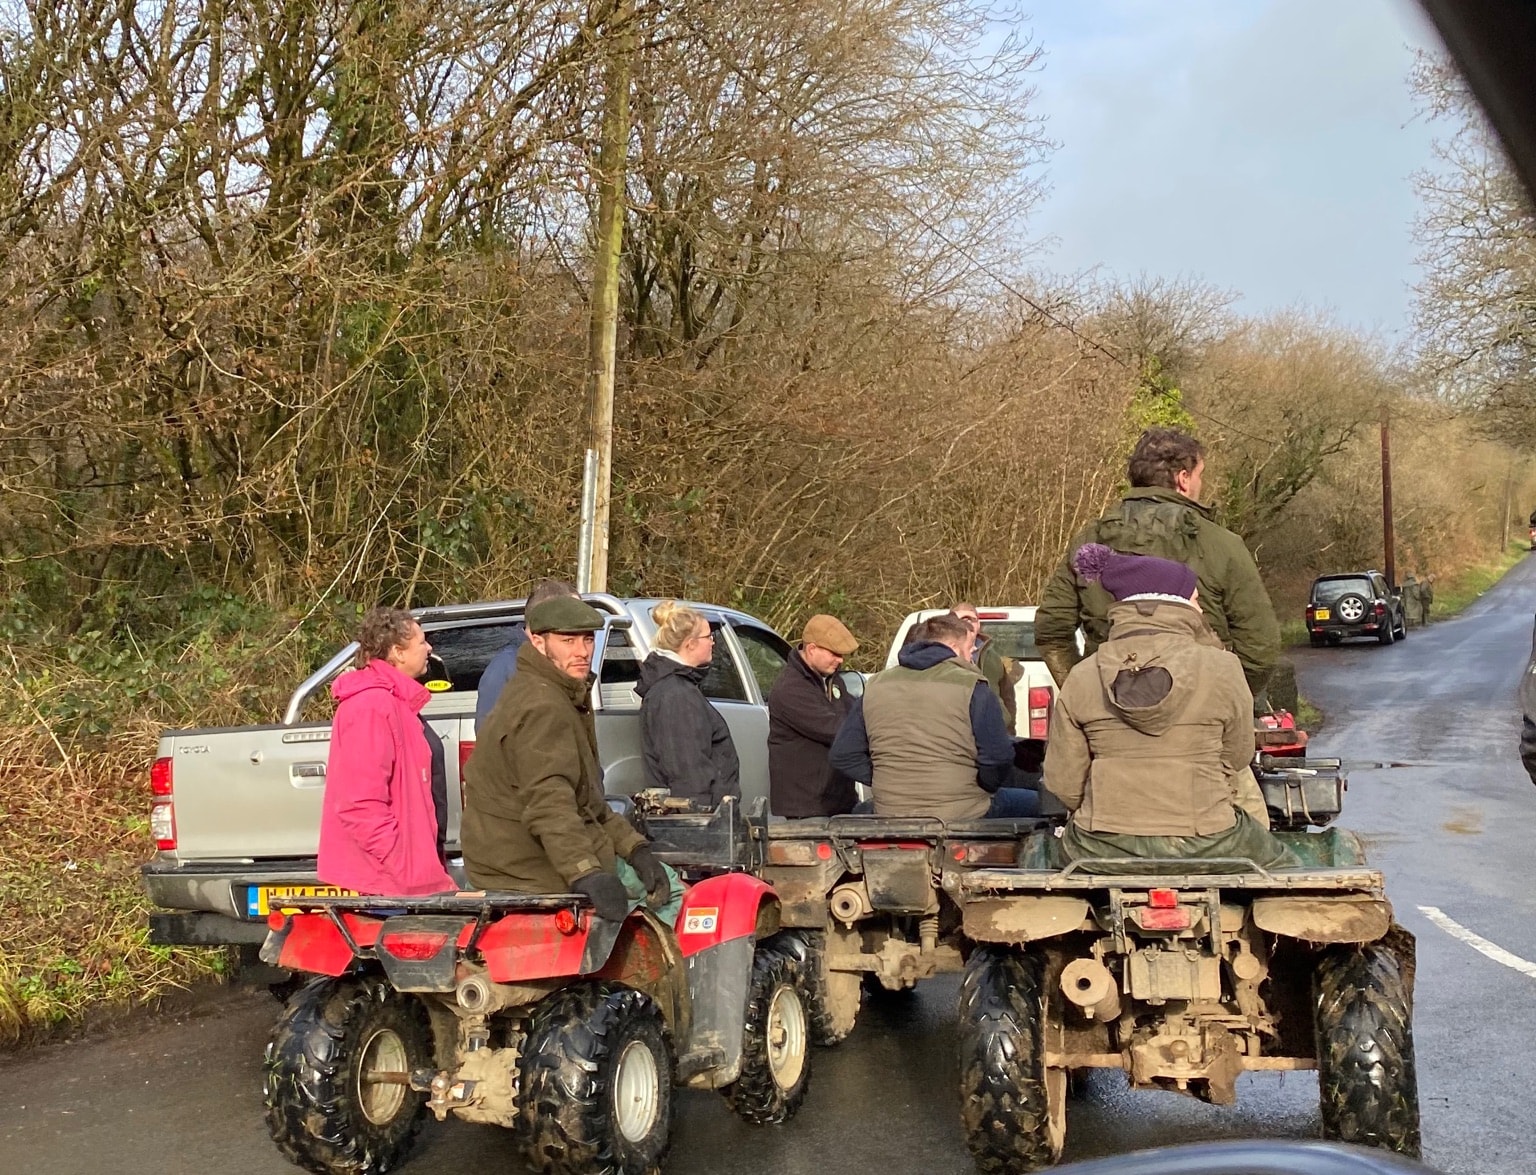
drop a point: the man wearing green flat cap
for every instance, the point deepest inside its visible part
(535, 818)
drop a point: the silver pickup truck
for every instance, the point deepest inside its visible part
(236, 810)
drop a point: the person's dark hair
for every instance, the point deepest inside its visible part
(944, 628)
(548, 589)
(1160, 454)
(381, 630)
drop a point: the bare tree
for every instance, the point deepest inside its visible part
(1476, 307)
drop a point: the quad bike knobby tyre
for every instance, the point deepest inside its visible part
(1363, 1012)
(327, 1108)
(595, 1083)
(775, 1059)
(1013, 1109)
(833, 997)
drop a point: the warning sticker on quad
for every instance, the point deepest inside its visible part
(702, 920)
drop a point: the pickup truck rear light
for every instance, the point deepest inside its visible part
(160, 777)
(1040, 698)
(466, 749)
(162, 811)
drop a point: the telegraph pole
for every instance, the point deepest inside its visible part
(602, 333)
(1386, 497)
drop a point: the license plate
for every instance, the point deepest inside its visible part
(1322, 614)
(261, 900)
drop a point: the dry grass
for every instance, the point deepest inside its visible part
(72, 926)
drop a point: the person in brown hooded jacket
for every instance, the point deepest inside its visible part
(1152, 733)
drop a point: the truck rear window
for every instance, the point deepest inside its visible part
(466, 650)
(1013, 638)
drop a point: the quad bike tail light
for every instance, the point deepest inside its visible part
(414, 946)
(1163, 899)
(1152, 918)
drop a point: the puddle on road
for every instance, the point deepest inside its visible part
(1465, 821)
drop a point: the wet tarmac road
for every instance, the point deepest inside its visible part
(184, 1098)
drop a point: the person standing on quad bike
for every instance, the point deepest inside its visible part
(1151, 732)
(929, 734)
(1161, 515)
(535, 819)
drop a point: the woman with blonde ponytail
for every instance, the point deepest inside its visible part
(685, 742)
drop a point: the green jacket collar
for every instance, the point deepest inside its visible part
(1162, 494)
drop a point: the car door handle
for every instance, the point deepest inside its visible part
(307, 775)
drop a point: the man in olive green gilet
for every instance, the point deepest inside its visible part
(1161, 515)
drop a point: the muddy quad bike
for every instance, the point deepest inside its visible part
(533, 1013)
(862, 906)
(861, 900)
(1184, 975)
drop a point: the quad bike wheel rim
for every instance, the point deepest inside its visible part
(786, 1037)
(636, 1092)
(381, 1089)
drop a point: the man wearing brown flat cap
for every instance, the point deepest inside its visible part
(806, 706)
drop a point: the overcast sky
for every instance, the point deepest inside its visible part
(1263, 145)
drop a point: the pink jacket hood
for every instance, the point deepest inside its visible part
(381, 675)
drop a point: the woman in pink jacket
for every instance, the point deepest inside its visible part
(382, 826)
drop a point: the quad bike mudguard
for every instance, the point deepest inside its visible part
(717, 931)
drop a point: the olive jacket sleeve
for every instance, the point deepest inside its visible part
(556, 793)
(1058, 614)
(1252, 628)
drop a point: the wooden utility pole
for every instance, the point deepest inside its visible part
(1387, 538)
(603, 330)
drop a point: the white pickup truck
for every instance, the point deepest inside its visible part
(236, 810)
(1012, 633)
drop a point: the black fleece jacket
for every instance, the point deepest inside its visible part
(685, 742)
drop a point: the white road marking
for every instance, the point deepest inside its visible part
(1477, 942)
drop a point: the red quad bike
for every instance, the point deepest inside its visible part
(533, 1013)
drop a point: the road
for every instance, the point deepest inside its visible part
(183, 1098)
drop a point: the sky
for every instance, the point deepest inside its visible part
(1264, 146)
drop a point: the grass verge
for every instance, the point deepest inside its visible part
(73, 938)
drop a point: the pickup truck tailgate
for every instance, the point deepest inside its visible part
(252, 791)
